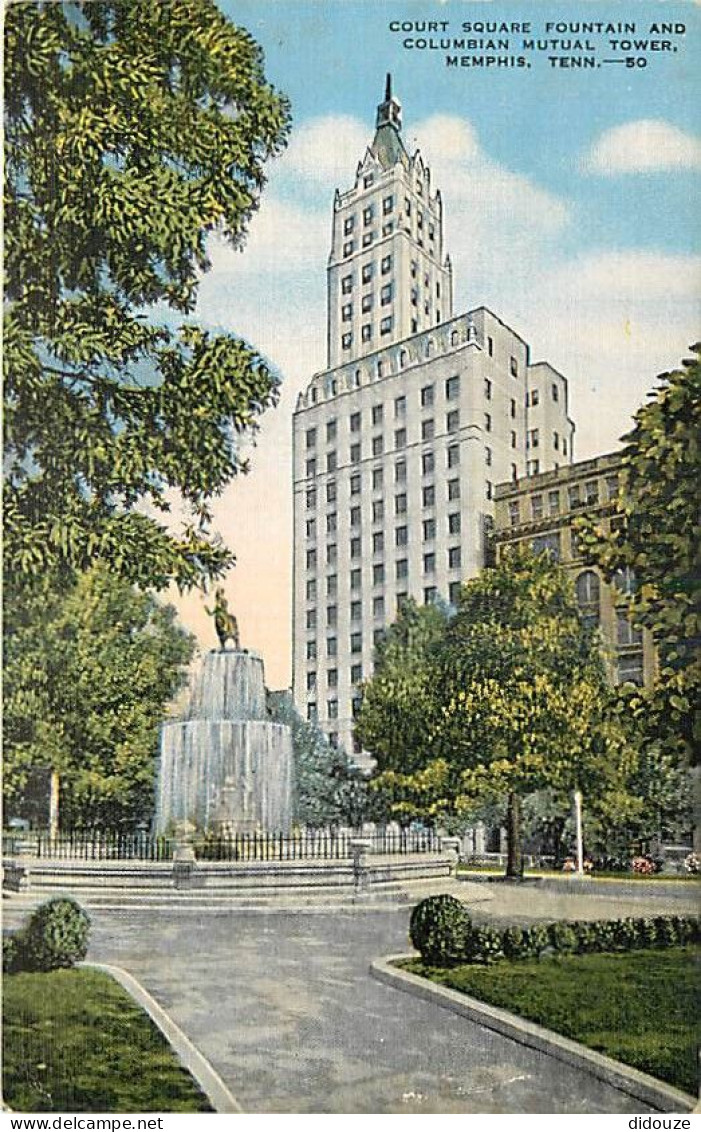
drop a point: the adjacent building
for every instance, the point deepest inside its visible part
(399, 443)
(540, 510)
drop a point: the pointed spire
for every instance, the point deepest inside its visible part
(389, 112)
(388, 88)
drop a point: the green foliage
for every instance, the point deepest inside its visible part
(483, 945)
(562, 937)
(10, 952)
(439, 928)
(536, 939)
(55, 936)
(88, 675)
(134, 130)
(657, 540)
(324, 778)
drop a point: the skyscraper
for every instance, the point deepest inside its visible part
(399, 443)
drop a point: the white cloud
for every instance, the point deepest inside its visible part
(325, 151)
(647, 146)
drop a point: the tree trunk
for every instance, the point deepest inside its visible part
(514, 853)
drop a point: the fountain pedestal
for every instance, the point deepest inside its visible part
(225, 765)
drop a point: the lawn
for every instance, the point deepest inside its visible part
(75, 1041)
(639, 1007)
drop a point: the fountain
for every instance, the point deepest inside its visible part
(224, 765)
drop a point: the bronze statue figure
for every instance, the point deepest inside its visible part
(224, 622)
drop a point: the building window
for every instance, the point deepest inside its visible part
(331, 616)
(514, 513)
(386, 325)
(311, 712)
(378, 607)
(400, 438)
(556, 442)
(487, 422)
(454, 592)
(556, 392)
(400, 471)
(427, 429)
(311, 560)
(386, 294)
(428, 496)
(377, 445)
(427, 463)
(346, 340)
(355, 422)
(400, 406)
(452, 388)
(588, 591)
(311, 437)
(453, 458)
(537, 507)
(533, 467)
(311, 498)
(355, 453)
(488, 457)
(331, 461)
(547, 544)
(331, 554)
(368, 214)
(626, 632)
(574, 497)
(488, 389)
(452, 420)
(356, 643)
(355, 547)
(387, 205)
(453, 489)
(454, 523)
(311, 619)
(630, 668)
(331, 491)
(355, 578)
(430, 595)
(554, 502)
(348, 225)
(490, 347)
(378, 511)
(386, 264)
(366, 332)
(429, 528)
(402, 568)
(366, 272)
(347, 284)
(378, 542)
(489, 489)
(332, 585)
(368, 180)
(429, 563)
(355, 515)
(331, 646)
(347, 312)
(356, 673)
(377, 479)
(311, 528)
(311, 467)
(356, 610)
(454, 558)
(513, 367)
(377, 414)
(426, 396)
(401, 536)
(564, 447)
(311, 681)
(355, 485)
(612, 487)
(400, 504)
(513, 407)
(533, 438)
(311, 650)
(332, 678)
(366, 302)
(591, 492)
(348, 248)
(378, 574)
(311, 590)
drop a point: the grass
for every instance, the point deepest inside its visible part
(75, 1041)
(639, 1007)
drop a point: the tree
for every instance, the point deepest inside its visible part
(88, 677)
(133, 130)
(656, 541)
(519, 702)
(396, 714)
(322, 773)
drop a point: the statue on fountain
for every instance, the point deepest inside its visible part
(225, 623)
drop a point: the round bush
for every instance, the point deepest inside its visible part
(438, 929)
(56, 935)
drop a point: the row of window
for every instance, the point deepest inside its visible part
(577, 495)
(378, 539)
(452, 454)
(533, 398)
(452, 425)
(378, 515)
(533, 440)
(378, 573)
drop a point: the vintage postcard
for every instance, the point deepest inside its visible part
(351, 432)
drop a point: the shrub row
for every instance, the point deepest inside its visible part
(56, 935)
(442, 931)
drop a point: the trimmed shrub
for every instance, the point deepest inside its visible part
(56, 935)
(562, 937)
(438, 929)
(586, 936)
(667, 933)
(535, 940)
(626, 936)
(647, 932)
(483, 945)
(513, 943)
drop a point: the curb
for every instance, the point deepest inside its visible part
(211, 1084)
(639, 1086)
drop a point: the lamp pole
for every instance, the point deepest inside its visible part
(578, 831)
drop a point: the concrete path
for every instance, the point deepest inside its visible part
(284, 1008)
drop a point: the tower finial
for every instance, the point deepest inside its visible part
(388, 88)
(389, 112)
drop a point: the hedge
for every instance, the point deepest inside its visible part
(442, 931)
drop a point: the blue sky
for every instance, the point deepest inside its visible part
(571, 202)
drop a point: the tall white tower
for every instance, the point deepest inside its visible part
(388, 276)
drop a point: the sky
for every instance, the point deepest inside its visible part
(571, 203)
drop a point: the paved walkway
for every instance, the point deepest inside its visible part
(283, 1006)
